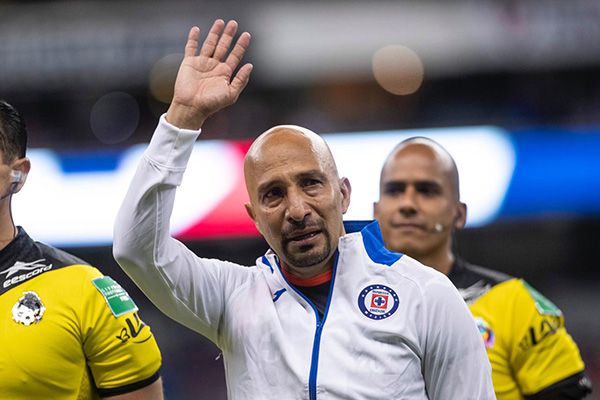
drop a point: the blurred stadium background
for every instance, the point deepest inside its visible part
(91, 79)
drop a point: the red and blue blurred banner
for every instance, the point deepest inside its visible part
(72, 198)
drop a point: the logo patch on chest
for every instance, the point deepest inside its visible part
(26, 270)
(29, 309)
(377, 302)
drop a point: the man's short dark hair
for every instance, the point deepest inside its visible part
(13, 134)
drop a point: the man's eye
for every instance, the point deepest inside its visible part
(311, 182)
(394, 189)
(428, 190)
(273, 193)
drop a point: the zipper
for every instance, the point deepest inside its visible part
(312, 378)
(314, 363)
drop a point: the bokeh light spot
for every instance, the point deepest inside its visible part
(162, 77)
(398, 69)
(114, 117)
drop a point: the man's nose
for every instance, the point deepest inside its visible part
(408, 202)
(298, 208)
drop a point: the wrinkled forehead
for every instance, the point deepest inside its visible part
(288, 148)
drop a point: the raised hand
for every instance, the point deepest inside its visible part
(204, 83)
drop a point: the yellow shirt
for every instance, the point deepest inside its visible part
(67, 332)
(524, 333)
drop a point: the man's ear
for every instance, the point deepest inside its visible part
(252, 215)
(460, 219)
(250, 211)
(346, 190)
(22, 167)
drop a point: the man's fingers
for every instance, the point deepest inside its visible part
(225, 40)
(241, 79)
(236, 55)
(192, 42)
(210, 43)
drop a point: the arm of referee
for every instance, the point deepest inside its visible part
(574, 387)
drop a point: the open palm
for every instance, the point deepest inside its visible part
(204, 83)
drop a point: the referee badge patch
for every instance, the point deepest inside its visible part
(377, 302)
(487, 334)
(116, 297)
(543, 305)
(29, 309)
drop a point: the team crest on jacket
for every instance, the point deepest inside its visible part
(377, 302)
(29, 309)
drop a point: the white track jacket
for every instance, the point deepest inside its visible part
(392, 329)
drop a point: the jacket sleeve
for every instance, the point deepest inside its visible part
(187, 288)
(455, 364)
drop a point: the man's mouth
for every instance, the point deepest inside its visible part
(408, 226)
(304, 236)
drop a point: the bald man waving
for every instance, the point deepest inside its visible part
(327, 312)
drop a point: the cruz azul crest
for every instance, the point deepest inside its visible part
(377, 302)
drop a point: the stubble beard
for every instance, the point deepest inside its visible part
(308, 256)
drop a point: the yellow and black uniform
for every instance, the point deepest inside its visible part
(67, 331)
(531, 353)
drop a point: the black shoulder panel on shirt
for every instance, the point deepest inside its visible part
(464, 275)
(574, 387)
(24, 259)
(59, 257)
